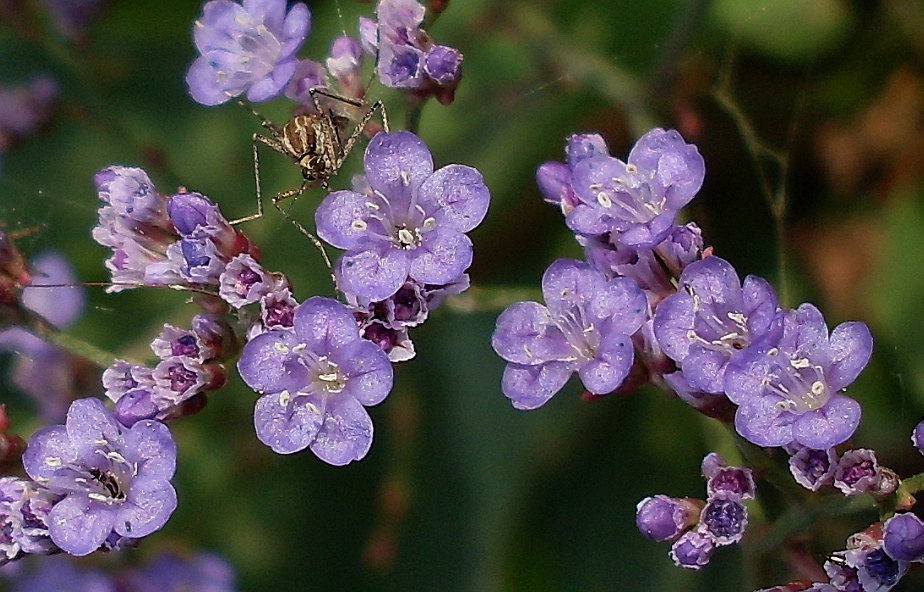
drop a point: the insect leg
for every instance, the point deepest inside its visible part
(295, 193)
(256, 141)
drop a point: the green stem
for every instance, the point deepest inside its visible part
(48, 332)
(414, 112)
(772, 182)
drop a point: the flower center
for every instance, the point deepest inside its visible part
(801, 384)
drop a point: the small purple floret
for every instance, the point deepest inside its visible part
(813, 468)
(711, 319)
(857, 472)
(692, 550)
(412, 225)
(788, 391)
(637, 201)
(316, 382)
(585, 327)
(246, 48)
(903, 537)
(114, 479)
(663, 518)
(724, 518)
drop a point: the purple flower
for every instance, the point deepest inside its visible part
(244, 281)
(663, 518)
(316, 383)
(113, 479)
(246, 48)
(556, 179)
(277, 310)
(24, 508)
(724, 518)
(169, 572)
(134, 224)
(813, 468)
(692, 550)
(711, 319)
(787, 392)
(407, 57)
(131, 194)
(903, 537)
(857, 472)
(308, 74)
(123, 376)
(584, 327)
(443, 65)
(413, 223)
(864, 569)
(637, 202)
(735, 482)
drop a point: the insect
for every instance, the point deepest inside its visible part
(314, 141)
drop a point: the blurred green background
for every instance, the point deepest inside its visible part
(810, 117)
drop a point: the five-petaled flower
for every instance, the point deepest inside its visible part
(316, 382)
(410, 224)
(246, 48)
(114, 479)
(585, 327)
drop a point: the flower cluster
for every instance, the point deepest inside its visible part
(723, 345)
(251, 48)
(651, 304)
(406, 56)
(696, 527)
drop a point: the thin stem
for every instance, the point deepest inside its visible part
(764, 159)
(48, 332)
(586, 67)
(413, 114)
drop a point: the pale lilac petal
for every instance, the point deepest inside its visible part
(764, 423)
(267, 364)
(287, 424)
(530, 387)
(609, 368)
(370, 373)
(325, 323)
(79, 526)
(148, 506)
(397, 163)
(374, 274)
(343, 220)
(526, 334)
(829, 426)
(152, 441)
(443, 256)
(90, 422)
(346, 434)
(852, 345)
(459, 195)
